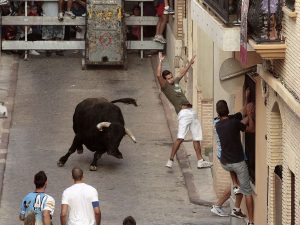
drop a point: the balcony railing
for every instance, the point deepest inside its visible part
(264, 17)
(227, 10)
(264, 20)
(264, 27)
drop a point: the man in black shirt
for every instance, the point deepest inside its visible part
(232, 155)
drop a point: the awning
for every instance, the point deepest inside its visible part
(231, 68)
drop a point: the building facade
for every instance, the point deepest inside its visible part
(271, 72)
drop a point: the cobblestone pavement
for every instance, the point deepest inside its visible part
(47, 92)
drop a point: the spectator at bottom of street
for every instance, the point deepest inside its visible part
(37, 207)
(80, 204)
(129, 220)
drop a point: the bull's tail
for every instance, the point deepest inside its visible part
(125, 101)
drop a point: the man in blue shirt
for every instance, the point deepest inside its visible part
(37, 207)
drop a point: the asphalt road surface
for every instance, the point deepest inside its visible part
(48, 89)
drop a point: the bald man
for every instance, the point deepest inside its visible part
(80, 203)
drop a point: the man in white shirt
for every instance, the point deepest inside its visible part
(80, 203)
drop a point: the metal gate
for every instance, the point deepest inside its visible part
(143, 44)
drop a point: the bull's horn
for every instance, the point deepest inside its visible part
(101, 125)
(128, 132)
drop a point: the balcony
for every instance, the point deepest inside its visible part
(225, 37)
(265, 28)
(227, 10)
(218, 19)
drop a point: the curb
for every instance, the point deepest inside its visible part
(6, 123)
(181, 155)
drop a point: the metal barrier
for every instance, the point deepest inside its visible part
(142, 20)
(26, 21)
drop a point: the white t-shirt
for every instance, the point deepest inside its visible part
(79, 198)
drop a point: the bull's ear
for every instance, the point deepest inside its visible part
(101, 125)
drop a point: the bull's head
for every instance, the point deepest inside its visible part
(101, 125)
(114, 133)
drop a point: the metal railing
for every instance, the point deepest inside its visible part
(265, 20)
(227, 10)
(142, 21)
(27, 21)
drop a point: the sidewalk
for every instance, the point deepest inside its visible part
(199, 182)
(9, 70)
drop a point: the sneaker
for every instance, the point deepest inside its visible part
(169, 163)
(169, 11)
(237, 213)
(218, 211)
(60, 16)
(203, 164)
(155, 38)
(160, 39)
(3, 2)
(70, 14)
(236, 190)
(33, 52)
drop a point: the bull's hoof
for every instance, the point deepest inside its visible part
(60, 164)
(117, 154)
(93, 168)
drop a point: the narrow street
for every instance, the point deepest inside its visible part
(48, 90)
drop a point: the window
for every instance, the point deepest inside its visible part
(278, 195)
(293, 214)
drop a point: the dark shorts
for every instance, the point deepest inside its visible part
(160, 9)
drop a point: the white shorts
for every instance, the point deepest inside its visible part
(187, 120)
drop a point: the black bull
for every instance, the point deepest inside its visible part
(99, 125)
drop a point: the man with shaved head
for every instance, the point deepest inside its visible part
(80, 203)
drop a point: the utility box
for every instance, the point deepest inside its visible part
(105, 34)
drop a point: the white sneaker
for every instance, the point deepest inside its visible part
(60, 16)
(34, 52)
(218, 211)
(203, 164)
(70, 14)
(3, 2)
(236, 190)
(169, 163)
(160, 39)
(155, 38)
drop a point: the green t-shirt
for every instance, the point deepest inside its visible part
(175, 94)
